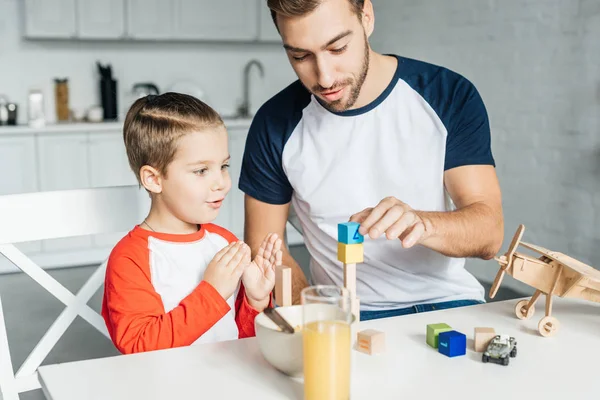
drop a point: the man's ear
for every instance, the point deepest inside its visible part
(151, 179)
(368, 18)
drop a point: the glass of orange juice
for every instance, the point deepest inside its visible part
(327, 315)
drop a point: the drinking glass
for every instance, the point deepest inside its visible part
(327, 316)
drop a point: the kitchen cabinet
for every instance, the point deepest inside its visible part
(234, 20)
(157, 20)
(50, 18)
(19, 175)
(17, 165)
(237, 142)
(267, 32)
(108, 166)
(63, 165)
(150, 19)
(77, 156)
(100, 19)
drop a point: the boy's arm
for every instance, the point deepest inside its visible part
(245, 314)
(135, 314)
(262, 218)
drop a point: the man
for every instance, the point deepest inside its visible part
(399, 145)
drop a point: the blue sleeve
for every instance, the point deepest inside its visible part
(262, 176)
(469, 140)
(460, 108)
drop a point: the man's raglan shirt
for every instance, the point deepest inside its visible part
(155, 298)
(331, 165)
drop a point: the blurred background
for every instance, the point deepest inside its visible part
(69, 69)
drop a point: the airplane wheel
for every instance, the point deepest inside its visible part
(520, 310)
(548, 326)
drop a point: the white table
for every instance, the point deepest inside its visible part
(561, 367)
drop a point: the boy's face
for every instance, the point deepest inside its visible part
(329, 51)
(197, 179)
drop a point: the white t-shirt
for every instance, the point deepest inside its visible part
(331, 165)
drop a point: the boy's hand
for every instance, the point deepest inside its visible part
(226, 268)
(259, 277)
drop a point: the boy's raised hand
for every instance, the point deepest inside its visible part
(259, 276)
(226, 268)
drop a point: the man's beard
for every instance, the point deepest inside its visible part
(354, 84)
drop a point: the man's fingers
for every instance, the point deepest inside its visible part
(405, 220)
(385, 222)
(360, 216)
(376, 214)
(415, 234)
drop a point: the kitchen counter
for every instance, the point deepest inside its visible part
(76, 127)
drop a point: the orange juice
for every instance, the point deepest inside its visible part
(326, 360)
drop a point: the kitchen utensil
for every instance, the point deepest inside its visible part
(143, 89)
(3, 110)
(12, 113)
(36, 117)
(279, 320)
(61, 95)
(108, 92)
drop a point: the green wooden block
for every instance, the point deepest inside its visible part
(433, 330)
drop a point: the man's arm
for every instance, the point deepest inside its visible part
(474, 229)
(262, 218)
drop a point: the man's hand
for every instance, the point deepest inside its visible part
(393, 218)
(259, 276)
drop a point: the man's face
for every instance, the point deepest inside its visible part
(329, 52)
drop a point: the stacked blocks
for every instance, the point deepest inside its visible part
(483, 337)
(348, 233)
(452, 343)
(433, 331)
(350, 252)
(283, 286)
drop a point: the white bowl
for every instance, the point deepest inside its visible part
(284, 350)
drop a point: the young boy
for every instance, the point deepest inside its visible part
(176, 279)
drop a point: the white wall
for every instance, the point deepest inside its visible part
(217, 68)
(537, 66)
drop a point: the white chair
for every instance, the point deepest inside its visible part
(53, 215)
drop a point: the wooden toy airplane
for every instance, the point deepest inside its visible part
(552, 274)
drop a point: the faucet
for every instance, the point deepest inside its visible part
(244, 108)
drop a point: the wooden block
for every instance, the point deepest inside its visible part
(348, 233)
(483, 336)
(371, 341)
(452, 343)
(355, 308)
(350, 253)
(433, 330)
(350, 279)
(283, 285)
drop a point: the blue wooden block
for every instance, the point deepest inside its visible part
(452, 343)
(348, 233)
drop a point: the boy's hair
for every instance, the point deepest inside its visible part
(154, 124)
(298, 8)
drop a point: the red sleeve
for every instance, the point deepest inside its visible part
(244, 312)
(135, 315)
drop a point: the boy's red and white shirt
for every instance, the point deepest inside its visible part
(155, 298)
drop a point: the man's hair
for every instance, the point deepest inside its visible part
(154, 124)
(297, 8)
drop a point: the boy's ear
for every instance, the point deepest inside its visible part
(151, 179)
